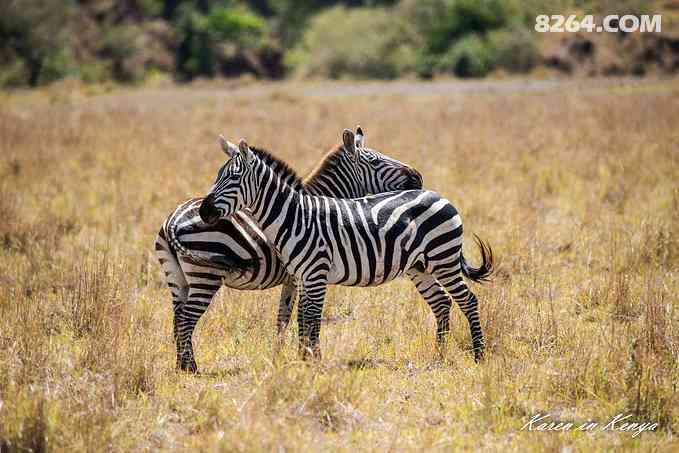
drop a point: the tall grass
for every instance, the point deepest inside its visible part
(574, 187)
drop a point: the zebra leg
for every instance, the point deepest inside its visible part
(466, 300)
(437, 299)
(175, 279)
(202, 288)
(285, 308)
(309, 312)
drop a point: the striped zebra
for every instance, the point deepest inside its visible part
(353, 242)
(198, 258)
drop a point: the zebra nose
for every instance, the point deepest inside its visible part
(415, 179)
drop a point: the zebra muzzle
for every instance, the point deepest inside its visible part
(414, 179)
(208, 212)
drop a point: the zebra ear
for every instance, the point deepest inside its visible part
(229, 148)
(349, 144)
(245, 152)
(359, 138)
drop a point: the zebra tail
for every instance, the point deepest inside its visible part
(484, 272)
(165, 251)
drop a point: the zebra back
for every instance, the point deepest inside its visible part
(349, 170)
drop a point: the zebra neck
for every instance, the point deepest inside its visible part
(277, 207)
(338, 185)
(336, 177)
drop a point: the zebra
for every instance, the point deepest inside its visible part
(198, 258)
(353, 242)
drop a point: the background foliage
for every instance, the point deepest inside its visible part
(132, 40)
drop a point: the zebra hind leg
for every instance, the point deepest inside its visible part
(176, 281)
(466, 300)
(202, 288)
(439, 302)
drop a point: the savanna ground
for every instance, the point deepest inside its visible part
(573, 183)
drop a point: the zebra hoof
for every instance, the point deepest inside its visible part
(306, 353)
(190, 367)
(478, 355)
(278, 343)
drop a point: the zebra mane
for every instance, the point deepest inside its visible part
(329, 162)
(280, 167)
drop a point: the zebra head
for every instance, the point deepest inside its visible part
(377, 172)
(234, 187)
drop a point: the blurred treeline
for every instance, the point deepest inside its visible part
(133, 40)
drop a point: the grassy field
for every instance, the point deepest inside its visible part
(574, 184)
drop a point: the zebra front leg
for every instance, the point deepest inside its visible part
(466, 300)
(200, 296)
(285, 308)
(309, 312)
(438, 300)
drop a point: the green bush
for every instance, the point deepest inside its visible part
(234, 25)
(13, 74)
(442, 22)
(97, 71)
(203, 36)
(514, 49)
(362, 42)
(468, 57)
(150, 7)
(41, 40)
(622, 7)
(469, 38)
(34, 42)
(119, 42)
(57, 65)
(120, 45)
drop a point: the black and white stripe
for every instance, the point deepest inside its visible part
(198, 258)
(355, 242)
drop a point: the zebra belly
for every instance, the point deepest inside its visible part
(377, 276)
(373, 261)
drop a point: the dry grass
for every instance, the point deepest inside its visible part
(575, 186)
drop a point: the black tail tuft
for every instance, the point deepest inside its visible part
(484, 272)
